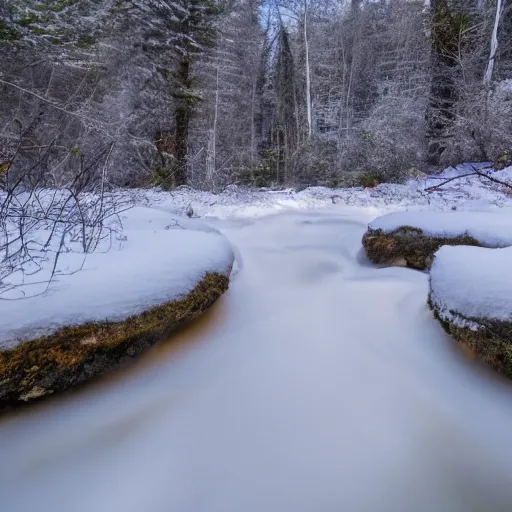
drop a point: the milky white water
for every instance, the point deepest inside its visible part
(323, 385)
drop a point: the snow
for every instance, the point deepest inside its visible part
(472, 283)
(317, 383)
(89, 295)
(469, 194)
(491, 229)
(160, 258)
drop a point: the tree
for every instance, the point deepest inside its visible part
(286, 127)
(446, 29)
(223, 134)
(299, 12)
(494, 44)
(211, 92)
(185, 29)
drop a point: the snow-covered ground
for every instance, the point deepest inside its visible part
(469, 193)
(155, 259)
(159, 258)
(318, 383)
(489, 228)
(473, 282)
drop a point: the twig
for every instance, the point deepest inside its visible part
(491, 178)
(434, 187)
(475, 172)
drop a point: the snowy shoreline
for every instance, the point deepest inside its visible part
(469, 193)
(145, 269)
(166, 271)
(161, 258)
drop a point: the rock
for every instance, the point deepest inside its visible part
(471, 295)
(488, 340)
(407, 246)
(76, 354)
(414, 236)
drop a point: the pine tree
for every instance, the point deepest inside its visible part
(181, 31)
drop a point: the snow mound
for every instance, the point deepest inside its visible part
(160, 258)
(472, 282)
(490, 228)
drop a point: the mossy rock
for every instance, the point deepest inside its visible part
(407, 246)
(490, 340)
(504, 160)
(73, 355)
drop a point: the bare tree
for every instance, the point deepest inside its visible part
(39, 225)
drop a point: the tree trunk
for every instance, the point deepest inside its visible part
(183, 114)
(211, 156)
(494, 46)
(443, 91)
(308, 74)
(253, 125)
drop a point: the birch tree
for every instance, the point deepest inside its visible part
(494, 44)
(308, 72)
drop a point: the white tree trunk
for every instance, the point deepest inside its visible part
(212, 140)
(494, 45)
(215, 118)
(253, 127)
(308, 75)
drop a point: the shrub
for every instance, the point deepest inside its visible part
(369, 179)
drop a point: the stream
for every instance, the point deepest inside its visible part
(318, 383)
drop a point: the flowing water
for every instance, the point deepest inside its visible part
(318, 383)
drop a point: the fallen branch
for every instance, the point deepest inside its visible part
(475, 172)
(495, 180)
(434, 187)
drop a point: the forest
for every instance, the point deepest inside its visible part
(255, 255)
(270, 93)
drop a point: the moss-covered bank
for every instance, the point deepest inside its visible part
(73, 355)
(407, 246)
(491, 342)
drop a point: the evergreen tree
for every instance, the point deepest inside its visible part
(181, 31)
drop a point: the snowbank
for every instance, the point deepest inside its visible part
(411, 238)
(160, 258)
(467, 193)
(471, 295)
(472, 283)
(490, 229)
